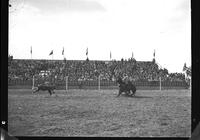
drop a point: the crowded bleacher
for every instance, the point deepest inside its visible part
(84, 70)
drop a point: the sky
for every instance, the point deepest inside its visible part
(121, 27)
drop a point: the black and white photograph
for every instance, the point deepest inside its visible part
(99, 68)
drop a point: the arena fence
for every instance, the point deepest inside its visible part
(99, 84)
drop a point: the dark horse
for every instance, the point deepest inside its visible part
(44, 87)
(126, 87)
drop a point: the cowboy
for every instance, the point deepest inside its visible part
(126, 78)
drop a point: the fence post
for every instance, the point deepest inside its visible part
(33, 84)
(99, 83)
(160, 84)
(66, 78)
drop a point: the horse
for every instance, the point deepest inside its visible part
(126, 87)
(44, 87)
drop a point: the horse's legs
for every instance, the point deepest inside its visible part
(133, 91)
(49, 92)
(129, 92)
(120, 92)
(126, 93)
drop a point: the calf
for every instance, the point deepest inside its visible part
(43, 87)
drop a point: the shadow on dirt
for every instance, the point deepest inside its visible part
(136, 96)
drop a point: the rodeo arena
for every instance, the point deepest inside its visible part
(124, 98)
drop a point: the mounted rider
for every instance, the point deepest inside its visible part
(126, 79)
(125, 85)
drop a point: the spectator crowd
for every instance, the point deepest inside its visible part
(81, 70)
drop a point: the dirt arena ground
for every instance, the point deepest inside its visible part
(99, 113)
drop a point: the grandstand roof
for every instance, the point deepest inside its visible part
(76, 60)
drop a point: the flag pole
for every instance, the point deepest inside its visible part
(87, 52)
(110, 56)
(51, 53)
(31, 52)
(63, 53)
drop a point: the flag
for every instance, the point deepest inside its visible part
(31, 49)
(63, 51)
(184, 67)
(132, 54)
(87, 51)
(154, 53)
(110, 55)
(51, 52)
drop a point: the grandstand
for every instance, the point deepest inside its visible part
(81, 70)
